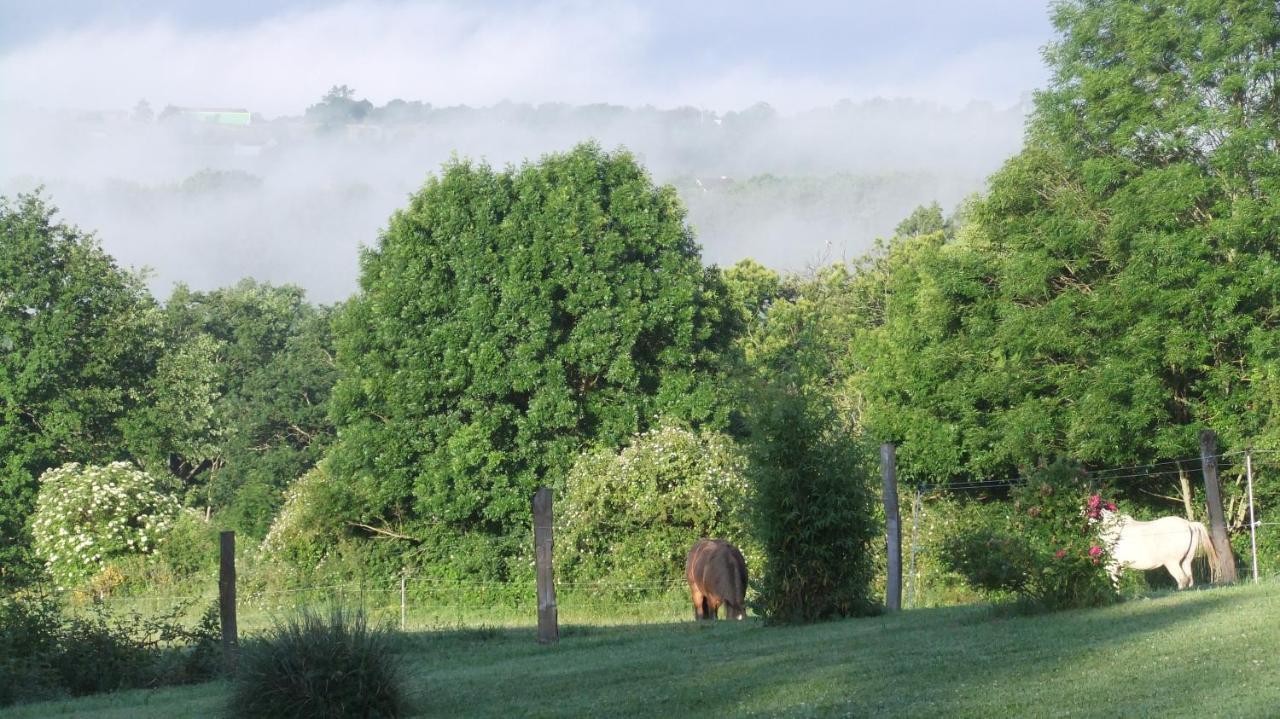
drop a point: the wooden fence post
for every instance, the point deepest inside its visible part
(548, 619)
(1226, 569)
(402, 602)
(912, 579)
(1253, 523)
(892, 525)
(227, 600)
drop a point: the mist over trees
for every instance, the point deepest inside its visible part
(207, 204)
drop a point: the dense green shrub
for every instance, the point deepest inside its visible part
(319, 666)
(190, 546)
(631, 516)
(310, 524)
(813, 511)
(86, 516)
(46, 652)
(1038, 546)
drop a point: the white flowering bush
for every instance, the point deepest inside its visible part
(86, 515)
(629, 517)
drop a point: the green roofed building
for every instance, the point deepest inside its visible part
(215, 115)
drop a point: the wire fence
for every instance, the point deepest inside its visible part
(416, 603)
(1250, 486)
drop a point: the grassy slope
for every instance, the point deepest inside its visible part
(1200, 653)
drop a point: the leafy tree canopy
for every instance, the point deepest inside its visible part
(237, 406)
(1115, 290)
(507, 320)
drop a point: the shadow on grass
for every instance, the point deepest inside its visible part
(953, 661)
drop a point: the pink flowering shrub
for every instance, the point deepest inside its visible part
(1039, 545)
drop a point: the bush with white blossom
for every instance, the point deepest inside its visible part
(629, 517)
(88, 515)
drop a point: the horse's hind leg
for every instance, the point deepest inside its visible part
(1186, 569)
(1180, 574)
(699, 605)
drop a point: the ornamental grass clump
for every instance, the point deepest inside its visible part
(315, 665)
(86, 516)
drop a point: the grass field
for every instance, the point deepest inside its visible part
(1199, 653)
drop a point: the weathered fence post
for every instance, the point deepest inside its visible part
(402, 602)
(227, 600)
(1226, 569)
(912, 579)
(1253, 523)
(548, 619)
(892, 525)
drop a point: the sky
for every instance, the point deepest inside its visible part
(277, 56)
(957, 78)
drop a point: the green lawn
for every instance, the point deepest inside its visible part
(1198, 653)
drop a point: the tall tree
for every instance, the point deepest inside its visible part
(509, 319)
(1115, 290)
(76, 333)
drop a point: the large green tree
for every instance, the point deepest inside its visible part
(509, 319)
(1116, 288)
(76, 333)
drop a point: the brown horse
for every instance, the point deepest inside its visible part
(717, 575)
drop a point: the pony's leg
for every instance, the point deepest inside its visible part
(698, 605)
(713, 609)
(1186, 569)
(1181, 571)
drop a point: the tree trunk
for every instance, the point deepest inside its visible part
(1188, 499)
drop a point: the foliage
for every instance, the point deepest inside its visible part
(45, 652)
(237, 406)
(1115, 290)
(318, 666)
(813, 514)
(76, 333)
(1040, 546)
(310, 522)
(630, 517)
(506, 321)
(190, 547)
(85, 516)
(812, 511)
(924, 220)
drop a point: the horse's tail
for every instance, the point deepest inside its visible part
(1206, 542)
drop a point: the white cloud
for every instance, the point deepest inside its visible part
(442, 53)
(472, 54)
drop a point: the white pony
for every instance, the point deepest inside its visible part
(1169, 542)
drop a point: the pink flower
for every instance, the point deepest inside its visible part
(1095, 551)
(1060, 553)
